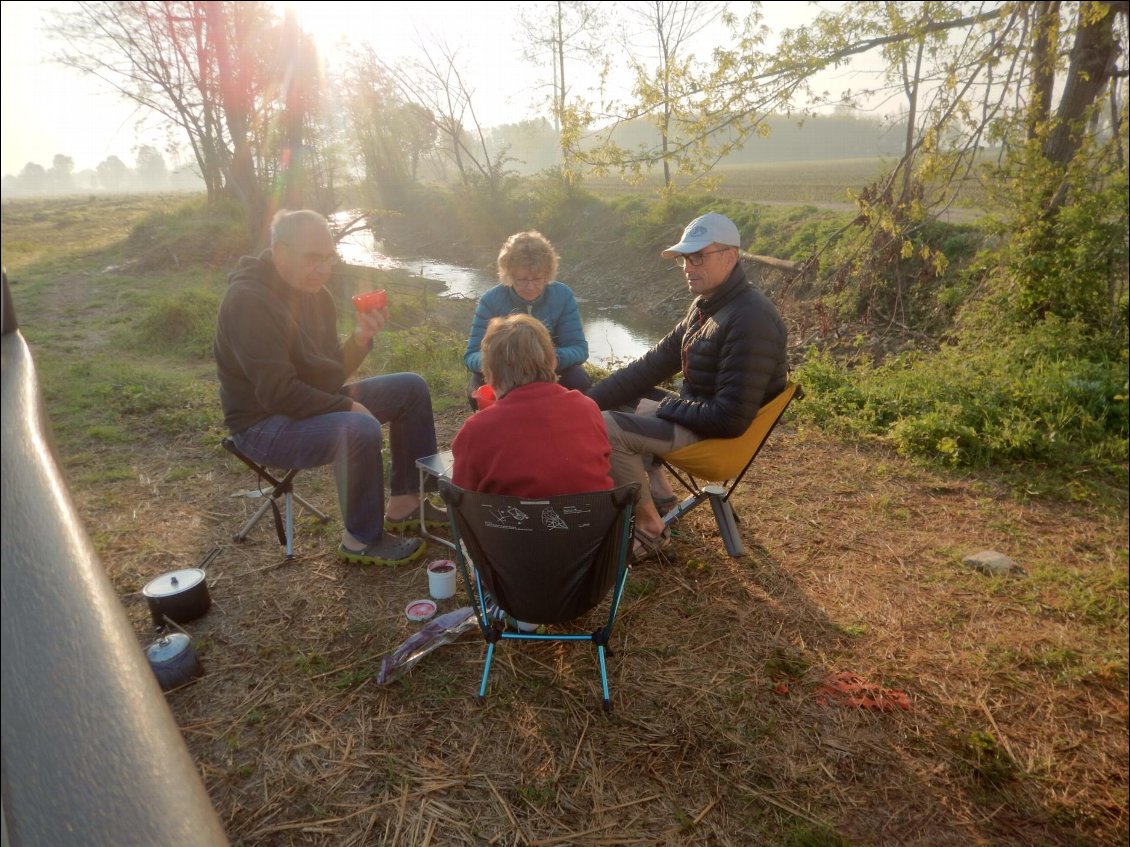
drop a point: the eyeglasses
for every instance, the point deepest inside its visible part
(321, 260)
(529, 280)
(696, 259)
(317, 260)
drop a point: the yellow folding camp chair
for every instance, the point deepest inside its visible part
(725, 461)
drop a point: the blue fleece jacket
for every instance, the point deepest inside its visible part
(556, 307)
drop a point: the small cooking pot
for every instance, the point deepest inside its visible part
(173, 660)
(177, 596)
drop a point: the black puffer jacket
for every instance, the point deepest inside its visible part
(731, 350)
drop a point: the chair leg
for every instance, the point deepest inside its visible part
(724, 516)
(486, 672)
(314, 510)
(683, 507)
(606, 698)
(249, 524)
(290, 525)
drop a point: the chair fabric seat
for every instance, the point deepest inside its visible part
(724, 460)
(719, 459)
(543, 561)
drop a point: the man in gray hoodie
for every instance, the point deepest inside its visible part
(283, 390)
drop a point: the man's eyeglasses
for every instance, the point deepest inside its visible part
(321, 260)
(317, 260)
(529, 280)
(696, 259)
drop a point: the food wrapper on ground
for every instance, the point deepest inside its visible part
(435, 633)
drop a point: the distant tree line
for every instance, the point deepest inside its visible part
(149, 174)
(533, 146)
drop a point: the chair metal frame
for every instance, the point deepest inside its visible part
(618, 533)
(279, 487)
(719, 494)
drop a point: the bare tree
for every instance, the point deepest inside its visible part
(222, 74)
(565, 31)
(438, 86)
(665, 89)
(389, 135)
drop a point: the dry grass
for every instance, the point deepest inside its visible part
(717, 736)
(1017, 732)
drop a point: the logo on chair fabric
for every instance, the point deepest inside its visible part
(551, 520)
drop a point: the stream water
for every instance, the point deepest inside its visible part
(615, 333)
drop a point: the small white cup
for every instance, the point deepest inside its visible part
(441, 579)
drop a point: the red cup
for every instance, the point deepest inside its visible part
(370, 300)
(484, 396)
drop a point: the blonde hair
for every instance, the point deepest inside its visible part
(530, 250)
(517, 350)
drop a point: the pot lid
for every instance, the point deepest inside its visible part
(167, 647)
(420, 610)
(174, 582)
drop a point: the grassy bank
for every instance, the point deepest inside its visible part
(723, 731)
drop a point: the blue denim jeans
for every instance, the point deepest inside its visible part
(352, 443)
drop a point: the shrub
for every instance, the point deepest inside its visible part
(1038, 396)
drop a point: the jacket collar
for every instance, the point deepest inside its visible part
(735, 283)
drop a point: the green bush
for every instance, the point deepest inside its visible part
(1037, 396)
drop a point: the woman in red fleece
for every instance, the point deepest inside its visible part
(539, 439)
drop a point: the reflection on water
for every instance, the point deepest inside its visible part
(615, 335)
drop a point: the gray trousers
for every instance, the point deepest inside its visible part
(637, 437)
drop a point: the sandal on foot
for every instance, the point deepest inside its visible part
(663, 505)
(389, 551)
(434, 518)
(649, 546)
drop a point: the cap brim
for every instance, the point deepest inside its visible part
(684, 247)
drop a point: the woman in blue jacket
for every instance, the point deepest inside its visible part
(527, 265)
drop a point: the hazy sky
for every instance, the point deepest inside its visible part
(48, 109)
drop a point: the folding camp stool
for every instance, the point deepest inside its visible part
(284, 488)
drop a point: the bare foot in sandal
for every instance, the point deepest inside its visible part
(649, 546)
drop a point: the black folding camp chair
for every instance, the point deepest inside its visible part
(542, 562)
(724, 460)
(270, 489)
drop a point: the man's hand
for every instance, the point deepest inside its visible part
(369, 324)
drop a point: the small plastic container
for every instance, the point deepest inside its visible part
(420, 610)
(441, 579)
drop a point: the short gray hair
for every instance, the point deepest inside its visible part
(517, 350)
(286, 225)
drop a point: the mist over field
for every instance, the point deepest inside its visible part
(844, 147)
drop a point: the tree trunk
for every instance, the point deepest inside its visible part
(1092, 58)
(1045, 34)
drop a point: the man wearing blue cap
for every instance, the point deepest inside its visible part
(730, 348)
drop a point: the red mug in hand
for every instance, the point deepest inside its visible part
(370, 300)
(484, 396)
